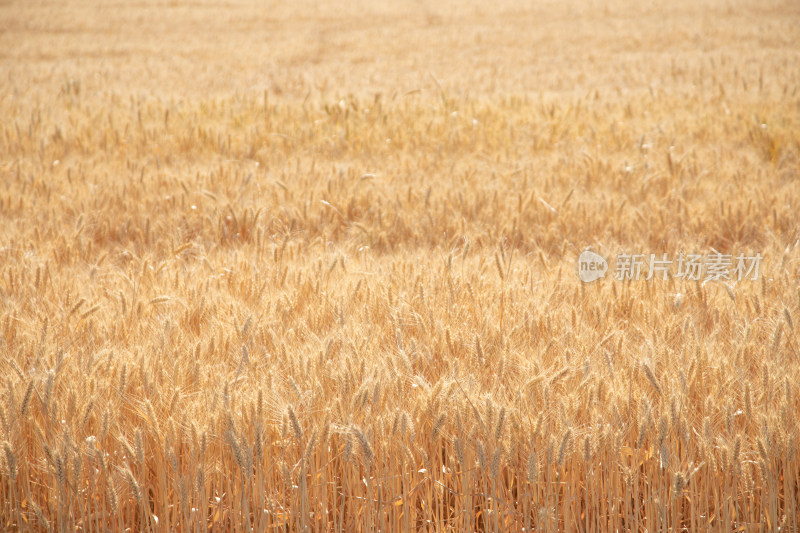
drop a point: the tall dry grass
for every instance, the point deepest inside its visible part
(316, 305)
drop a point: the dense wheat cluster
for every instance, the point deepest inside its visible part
(312, 266)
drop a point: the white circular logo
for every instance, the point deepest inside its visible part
(591, 266)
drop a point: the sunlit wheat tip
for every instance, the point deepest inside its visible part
(298, 432)
(26, 399)
(11, 461)
(437, 427)
(563, 448)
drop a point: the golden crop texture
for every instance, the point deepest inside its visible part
(312, 266)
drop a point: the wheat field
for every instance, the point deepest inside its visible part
(313, 266)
